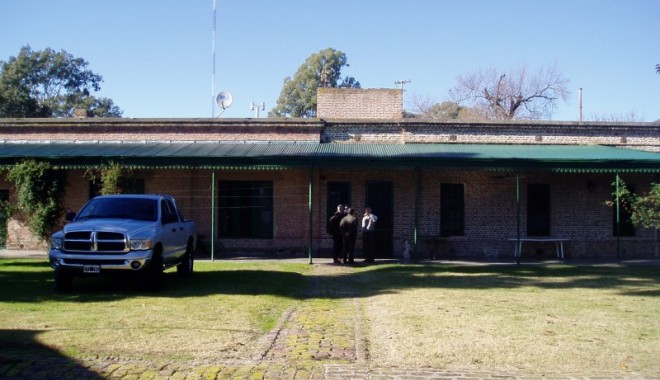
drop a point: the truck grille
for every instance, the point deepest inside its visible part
(96, 242)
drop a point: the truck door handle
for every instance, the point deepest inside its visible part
(173, 229)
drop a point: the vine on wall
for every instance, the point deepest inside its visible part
(40, 190)
(111, 178)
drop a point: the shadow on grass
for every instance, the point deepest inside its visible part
(23, 357)
(627, 280)
(32, 280)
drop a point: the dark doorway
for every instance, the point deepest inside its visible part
(452, 209)
(4, 199)
(380, 196)
(338, 193)
(538, 210)
(625, 226)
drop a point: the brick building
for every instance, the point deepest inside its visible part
(451, 189)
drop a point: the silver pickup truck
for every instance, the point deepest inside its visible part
(114, 234)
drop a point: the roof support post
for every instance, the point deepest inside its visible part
(309, 222)
(518, 249)
(212, 215)
(416, 222)
(618, 221)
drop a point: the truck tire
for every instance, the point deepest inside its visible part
(63, 280)
(185, 269)
(153, 278)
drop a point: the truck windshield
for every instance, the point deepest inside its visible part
(120, 208)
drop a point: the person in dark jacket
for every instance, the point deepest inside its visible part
(333, 229)
(349, 228)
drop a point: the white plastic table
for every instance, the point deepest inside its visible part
(559, 244)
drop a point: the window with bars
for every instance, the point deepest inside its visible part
(245, 209)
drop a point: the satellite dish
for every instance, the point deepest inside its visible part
(224, 99)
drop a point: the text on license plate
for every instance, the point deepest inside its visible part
(91, 269)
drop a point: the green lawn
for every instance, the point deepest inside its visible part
(218, 313)
(480, 317)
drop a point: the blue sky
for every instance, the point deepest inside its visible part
(156, 61)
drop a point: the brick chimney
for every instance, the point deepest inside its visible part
(359, 103)
(81, 113)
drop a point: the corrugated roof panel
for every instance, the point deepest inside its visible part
(189, 154)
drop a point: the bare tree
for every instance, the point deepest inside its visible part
(628, 117)
(427, 108)
(512, 94)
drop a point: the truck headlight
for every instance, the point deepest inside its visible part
(140, 244)
(56, 243)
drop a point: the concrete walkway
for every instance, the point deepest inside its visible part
(308, 342)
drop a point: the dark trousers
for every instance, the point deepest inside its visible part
(349, 247)
(337, 246)
(368, 241)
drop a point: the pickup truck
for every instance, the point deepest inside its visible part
(129, 234)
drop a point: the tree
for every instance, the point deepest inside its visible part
(514, 94)
(50, 84)
(644, 209)
(298, 95)
(428, 109)
(628, 117)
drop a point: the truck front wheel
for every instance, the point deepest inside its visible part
(153, 279)
(185, 269)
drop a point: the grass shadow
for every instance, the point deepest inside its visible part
(30, 280)
(386, 278)
(23, 357)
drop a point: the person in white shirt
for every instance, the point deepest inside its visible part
(368, 235)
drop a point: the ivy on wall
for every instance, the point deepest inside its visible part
(111, 178)
(40, 190)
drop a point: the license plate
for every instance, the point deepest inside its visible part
(91, 269)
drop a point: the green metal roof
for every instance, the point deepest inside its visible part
(275, 155)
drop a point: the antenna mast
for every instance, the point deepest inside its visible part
(213, 64)
(401, 83)
(580, 104)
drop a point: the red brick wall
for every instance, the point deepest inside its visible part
(578, 210)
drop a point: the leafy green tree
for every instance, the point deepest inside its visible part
(644, 209)
(298, 95)
(50, 84)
